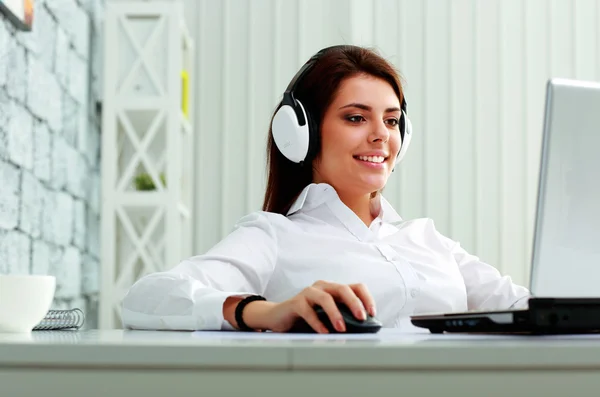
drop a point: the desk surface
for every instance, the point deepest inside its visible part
(155, 364)
(387, 350)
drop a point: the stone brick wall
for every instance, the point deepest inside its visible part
(50, 149)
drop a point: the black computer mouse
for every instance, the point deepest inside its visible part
(353, 325)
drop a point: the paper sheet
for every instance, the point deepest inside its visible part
(385, 334)
(284, 336)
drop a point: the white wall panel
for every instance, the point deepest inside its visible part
(234, 112)
(436, 131)
(487, 137)
(209, 129)
(462, 123)
(475, 74)
(261, 78)
(512, 115)
(585, 19)
(412, 66)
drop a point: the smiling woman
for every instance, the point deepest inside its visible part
(352, 99)
(327, 243)
(19, 12)
(360, 141)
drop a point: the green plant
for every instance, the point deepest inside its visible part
(144, 181)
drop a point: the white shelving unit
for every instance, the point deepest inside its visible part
(147, 143)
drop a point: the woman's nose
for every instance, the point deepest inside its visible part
(380, 132)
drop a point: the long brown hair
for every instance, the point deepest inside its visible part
(316, 92)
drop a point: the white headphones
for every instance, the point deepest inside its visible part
(296, 133)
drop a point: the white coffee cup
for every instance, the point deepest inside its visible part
(24, 301)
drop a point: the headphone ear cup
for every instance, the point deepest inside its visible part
(406, 137)
(291, 138)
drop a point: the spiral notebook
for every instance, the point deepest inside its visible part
(62, 319)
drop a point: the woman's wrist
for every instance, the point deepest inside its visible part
(254, 314)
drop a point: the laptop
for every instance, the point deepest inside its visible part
(565, 268)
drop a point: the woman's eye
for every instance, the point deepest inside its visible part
(393, 122)
(355, 119)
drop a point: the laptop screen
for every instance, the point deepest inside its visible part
(566, 251)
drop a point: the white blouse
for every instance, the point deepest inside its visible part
(408, 266)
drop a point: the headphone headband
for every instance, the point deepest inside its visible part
(308, 65)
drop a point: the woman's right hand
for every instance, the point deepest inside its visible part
(280, 317)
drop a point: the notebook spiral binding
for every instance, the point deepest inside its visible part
(62, 319)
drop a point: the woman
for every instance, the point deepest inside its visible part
(326, 234)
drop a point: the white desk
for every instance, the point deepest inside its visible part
(144, 363)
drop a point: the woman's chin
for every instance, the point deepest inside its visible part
(372, 183)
